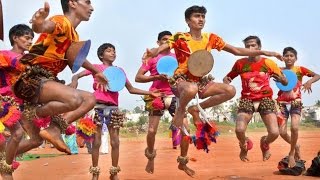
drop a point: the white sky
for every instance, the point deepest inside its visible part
(132, 26)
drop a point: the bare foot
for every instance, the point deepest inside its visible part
(6, 176)
(264, 148)
(150, 166)
(244, 149)
(243, 153)
(52, 134)
(297, 154)
(187, 170)
(114, 177)
(292, 162)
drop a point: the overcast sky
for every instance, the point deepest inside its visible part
(132, 26)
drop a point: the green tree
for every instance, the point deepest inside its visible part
(166, 120)
(234, 111)
(124, 110)
(142, 121)
(137, 109)
(318, 103)
(130, 124)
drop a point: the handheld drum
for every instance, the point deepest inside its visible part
(77, 53)
(292, 80)
(167, 65)
(200, 63)
(116, 78)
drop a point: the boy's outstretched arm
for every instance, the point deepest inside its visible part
(142, 78)
(237, 51)
(307, 86)
(150, 53)
(39, 22)
(75, 78)
(102, 80)
(133, 90)
(276, 72)
(232, 74)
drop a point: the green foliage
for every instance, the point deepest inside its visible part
(234, 111)
(137, 109)
(166, 120)
(125, 110)
(130, 124)
(142, 120)
(226, 123)
(256, 125)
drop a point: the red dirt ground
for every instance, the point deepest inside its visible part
(222, 162)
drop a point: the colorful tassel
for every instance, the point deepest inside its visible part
(205, 135)
(9, 115)
(42, 122)
(15, 165)
(86, 128)
(71, 129)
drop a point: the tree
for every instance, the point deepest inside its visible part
(124, 110)
(137, 109)
(141, 122)
(234, 110)
(318, 103)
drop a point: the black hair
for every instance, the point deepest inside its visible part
(194, 9)
(163, 33)
(102, 48)
(290, 49)
(65, 6)
(19, 30)
(253, 37)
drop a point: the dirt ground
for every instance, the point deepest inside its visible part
(222, 162)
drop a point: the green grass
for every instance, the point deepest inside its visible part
(30, 157)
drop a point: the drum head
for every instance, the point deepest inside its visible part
(200, 63)
(116, 78)
(77, 54)
(167, 65)
(292, 80)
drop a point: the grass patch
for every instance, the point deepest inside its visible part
(30, 157)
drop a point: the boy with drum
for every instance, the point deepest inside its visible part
(106, 110)
(293, 100)
(156, 106)
(185, 85)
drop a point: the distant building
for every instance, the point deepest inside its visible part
(133, 117)
(313, 112)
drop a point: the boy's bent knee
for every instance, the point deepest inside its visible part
(274, 134)
(230, 91)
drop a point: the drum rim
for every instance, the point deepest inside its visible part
(207, 71)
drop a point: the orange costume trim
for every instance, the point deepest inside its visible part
(184, 45)
(51, 48)
(295, 94)
(255, 77)
(46, 59)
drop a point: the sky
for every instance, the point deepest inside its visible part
(133, 26)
